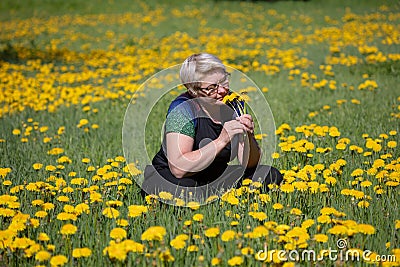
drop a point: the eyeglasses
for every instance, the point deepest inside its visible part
(213, 88)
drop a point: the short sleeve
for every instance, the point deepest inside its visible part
(180, 121)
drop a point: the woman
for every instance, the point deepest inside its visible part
(202, 135)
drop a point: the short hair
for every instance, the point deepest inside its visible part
(196, 67)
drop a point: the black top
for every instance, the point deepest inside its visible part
(206, 130)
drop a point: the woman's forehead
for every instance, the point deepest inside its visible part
(214, 77)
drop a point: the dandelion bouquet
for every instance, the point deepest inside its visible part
(236, 102)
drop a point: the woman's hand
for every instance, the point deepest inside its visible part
(247, 121)
(230, 129)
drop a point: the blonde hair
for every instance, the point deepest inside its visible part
(196, 67)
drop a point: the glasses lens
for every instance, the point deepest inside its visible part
(212, 87)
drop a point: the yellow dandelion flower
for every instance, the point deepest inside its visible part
(16, 132)
(287, 188)
(166, 256)
(47, 206)
(122, 222)
(177, 244)
(366, 229)
(55, 151)
(41, 214)
(81, 252)
(228, 235)
(295, 211)
(193, 205)
(277, 206)
(212, 232)
(111, 212)
(42, 255)
(392, 144)
(321, 238)
(235, 261)
(118, 233)
(363, 204)
(338, 230)
(68, 229)
(58, 260)
(198, 217)
(136, 210)
(37, 166)
(258, 215)
(154, 233)
(43, 237)
(307, 223)
(192, 248)
(216, 261)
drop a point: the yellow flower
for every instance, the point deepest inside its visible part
(136, 210)
(235, 261)
(63, 199)
(295, 211)
(392, 144)
(247, 251)
(111, 212)
(212, 232)
(215, 261)
(41, 214)
(166, 256)
(85, 160)
(58, 260)
(277, 206)
(81, 252)
(193, 205)
(307, 223)
(177, 243)
(154, 233)
(64, 216)
(43, 237)
(275, 155)
(259, 231)
(198, 217)
(287, 188)
(16, 132)
(363, 204)
(165, 195)
(68, 229)
(338, 230)
(228, 235)
(258, 215)
(118, 233)
(55, 151)
(193, 248)
(366, 229)
(122, 222)
(42, 255)
(37, 166)
(321, 238)
(397, 224)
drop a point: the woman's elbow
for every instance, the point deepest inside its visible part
(178, 173)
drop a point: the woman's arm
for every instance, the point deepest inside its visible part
(183, 161)
(249, 152)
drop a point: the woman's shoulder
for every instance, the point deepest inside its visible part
(180, 102)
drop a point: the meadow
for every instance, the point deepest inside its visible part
(328, 69)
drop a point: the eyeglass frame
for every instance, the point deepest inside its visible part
(211, 91)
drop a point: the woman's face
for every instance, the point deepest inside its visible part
(215, 86)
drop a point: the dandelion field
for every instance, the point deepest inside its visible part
(68, 70)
